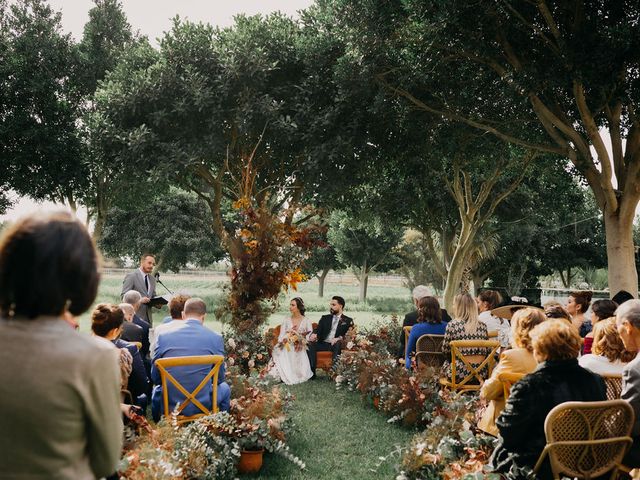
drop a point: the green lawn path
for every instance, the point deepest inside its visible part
(337, 435)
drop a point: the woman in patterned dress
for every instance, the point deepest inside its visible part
(464, 326)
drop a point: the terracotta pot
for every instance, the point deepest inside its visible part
(250, 461)
(376, 402)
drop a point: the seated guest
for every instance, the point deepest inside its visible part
(555, 310)
(106, 322)
(411, 318)
(628, 324)
(60, 396)
(130, 331)
(621, 297)
(557, 379)
(464, 326)
(609, 356)
(600, 310)
(487, 301)
(176, 307)
(577, 305)
(133, 298)
(189, 338)
(429, 322)
(518, 359)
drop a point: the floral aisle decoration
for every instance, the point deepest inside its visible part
(450, 447)
(368, 365)
(269, 249)
(245, 352)
(210, 447)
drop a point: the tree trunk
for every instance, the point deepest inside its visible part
(363, 280)
(621, 252)
(98, 227)
(321, 279)
(478, 281)
(458, 265)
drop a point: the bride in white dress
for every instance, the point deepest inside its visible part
(292, 365)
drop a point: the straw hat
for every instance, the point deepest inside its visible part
(516, 303)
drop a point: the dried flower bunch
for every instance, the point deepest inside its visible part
(293, 341)
(209, 448)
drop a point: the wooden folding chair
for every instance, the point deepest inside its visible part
(587, 439)
(483, 361)
(407, 332)
(508, 379)
(164, 364)
(429, 351)
(614, 386)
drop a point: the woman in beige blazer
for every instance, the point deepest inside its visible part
(60, 402)
(518, 359)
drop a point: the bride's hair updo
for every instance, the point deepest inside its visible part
(299, 304)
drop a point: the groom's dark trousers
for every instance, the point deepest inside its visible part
(314, 347)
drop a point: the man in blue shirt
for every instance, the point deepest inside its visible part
(186, 338)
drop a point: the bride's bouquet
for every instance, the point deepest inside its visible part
(295, 340)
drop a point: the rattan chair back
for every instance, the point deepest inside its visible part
(614, 386)
(587, 439)
(475, 364)
(429, 351)
(164, 364)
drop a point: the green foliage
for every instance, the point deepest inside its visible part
(364, 243)
(39, 104)
(174, 226)
(416, 265)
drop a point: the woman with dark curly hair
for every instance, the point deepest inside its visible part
(577, 305)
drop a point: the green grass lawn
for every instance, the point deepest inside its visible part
(337, 436)
(382, 300)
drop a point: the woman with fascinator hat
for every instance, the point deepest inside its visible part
(289, 360)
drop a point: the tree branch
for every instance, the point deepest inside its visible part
(480, 126)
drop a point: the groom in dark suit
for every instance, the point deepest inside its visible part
(330, 332)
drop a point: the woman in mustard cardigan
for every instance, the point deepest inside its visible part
(518, 359)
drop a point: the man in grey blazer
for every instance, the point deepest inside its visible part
(628, 323)
(143, 282)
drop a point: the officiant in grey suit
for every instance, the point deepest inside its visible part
(143, 282)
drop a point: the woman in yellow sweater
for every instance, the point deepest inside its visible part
(518, 359)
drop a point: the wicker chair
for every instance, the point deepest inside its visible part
(508, 379)
(614, 386)
(587, 439)
(429, 351)
(164, 364)
(482, 361)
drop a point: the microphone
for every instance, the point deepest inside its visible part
(157, 275)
